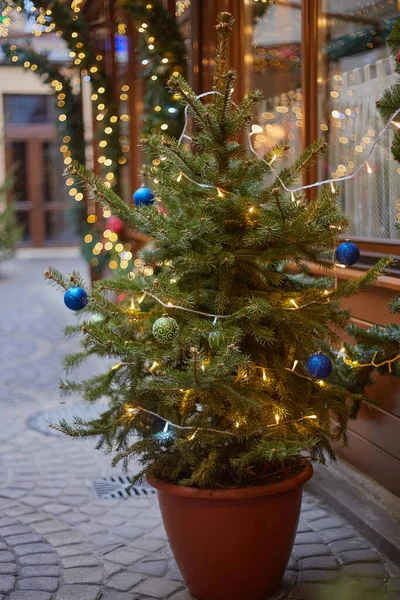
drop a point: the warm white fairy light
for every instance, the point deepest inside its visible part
(153, 366)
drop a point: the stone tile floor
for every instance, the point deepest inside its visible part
(59, 541)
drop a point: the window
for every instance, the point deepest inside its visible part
(322, 64)
(28, 109)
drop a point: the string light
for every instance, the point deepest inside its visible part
(369, 169)
(153, 366)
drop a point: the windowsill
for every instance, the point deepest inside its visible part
(384, 281)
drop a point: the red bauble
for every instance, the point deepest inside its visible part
(161, 209)
(398, 57)
(115, 224)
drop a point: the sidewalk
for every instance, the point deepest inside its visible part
(59, 540)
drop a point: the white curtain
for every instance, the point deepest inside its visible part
(369, 200)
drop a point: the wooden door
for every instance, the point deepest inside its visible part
(34, 162)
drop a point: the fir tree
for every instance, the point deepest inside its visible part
(227, 401)
(10, 231)
(378, 348)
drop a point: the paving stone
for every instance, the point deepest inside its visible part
(289, 579)
(38, 559)
(104, 540)
(14, 529)
(307, 550)
(366, 570)
(332, 522)
(183, 595)
(73, 550)
(149, 544)
(43, 584)
(83, 575)
(41, 571)
(308, 537)
(33, 518)
(6, 521)
(93, 511)
(317, 576)
(174, 574)
(50, 526)
(81, 592)
(89, 528)
(393, 570)
(6, 556)
(159, 532)
(63, 538)
(394, 585)
(292, 564)
(80, 561)
(125, 556)
(319, 562)
(74, 518)
(370, 584)
(32, 549)
(333, 535)
(157, 588)
(303, 527)
(312, 591)
(56, 509)
(25, 595)
(8, 569)
(129, 532)
(111, 568)
(359, 556)
(310, 513)
(115, 595)
(26, 538)
(349, 544)
(125, 581)
(7, 583)
(155, 568)
(111, 520)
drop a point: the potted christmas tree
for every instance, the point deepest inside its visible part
(222, 352)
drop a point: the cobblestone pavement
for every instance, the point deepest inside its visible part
(59, 541)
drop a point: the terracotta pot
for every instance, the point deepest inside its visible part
(232, 544)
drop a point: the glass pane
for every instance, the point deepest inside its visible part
(28, 108)
(274, 55)
(53, 181)
(23, 220)
(355, 71)
(19, 174)
(58, 227)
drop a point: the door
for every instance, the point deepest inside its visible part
(35, 164)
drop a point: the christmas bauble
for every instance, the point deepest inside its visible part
(143, 196)
(215, 339)
(165, 329)
(319, 366)
(347, 253)
(115, 224)
(75, 298)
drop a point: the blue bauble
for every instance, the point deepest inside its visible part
(347, 254)
(143, 196)
(319, 366)
(75, 298)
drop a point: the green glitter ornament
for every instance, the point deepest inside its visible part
(165, 329)
(215, 339)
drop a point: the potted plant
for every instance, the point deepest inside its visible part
(222, 381)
